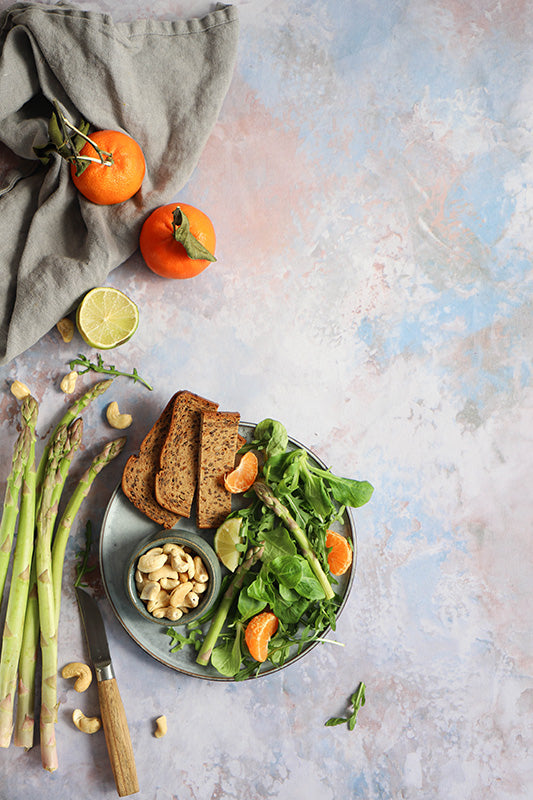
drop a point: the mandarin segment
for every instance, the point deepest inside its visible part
(242, 477)
(340, 553)
(258, 633)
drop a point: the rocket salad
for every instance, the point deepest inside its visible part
(284, 559)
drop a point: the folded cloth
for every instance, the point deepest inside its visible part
(162, 82)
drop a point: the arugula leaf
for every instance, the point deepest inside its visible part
(99, 366)
(357, 700)
(179, 640)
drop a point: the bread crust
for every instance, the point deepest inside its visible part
(138, 476)
(175, 482)
(218, 446)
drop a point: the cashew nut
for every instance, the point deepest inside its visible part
(19, 390)
(191, 601)
(200, 572)
(140, 579)
(65, 327)
(160, 601)
(81, 672)
(161, 729)
(85, 724)
(168, 583)
(116, 419)
(68, 384)
(171, 547)
(151, 561)
(165, 571)
(180, 593)
(179, 561)
(173, 614)
(150, 590)
(190, 566)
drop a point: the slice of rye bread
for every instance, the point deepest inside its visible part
(218, 446)
(175, 483)
(138, 477)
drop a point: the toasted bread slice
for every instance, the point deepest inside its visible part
(175, 483)
(218, 445)
(138, 477)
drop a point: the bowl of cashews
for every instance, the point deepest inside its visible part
(173, 578)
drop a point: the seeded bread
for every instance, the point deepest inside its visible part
(175, 483)
(138, 477)
(218, 445)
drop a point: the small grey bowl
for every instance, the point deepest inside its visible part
(198, 546)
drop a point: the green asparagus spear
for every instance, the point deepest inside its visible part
(70, 415)
(74, 434)
(267, 496)
(11, 500)
(45, 592)
(217, 623)
(25, 713)
(19, 589)
(110, 451)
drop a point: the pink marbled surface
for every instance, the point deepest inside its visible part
(369, 179)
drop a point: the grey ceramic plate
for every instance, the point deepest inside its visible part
(124, 527)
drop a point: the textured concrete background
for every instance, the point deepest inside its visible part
(370, 181)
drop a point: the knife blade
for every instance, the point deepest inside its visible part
(114, 720)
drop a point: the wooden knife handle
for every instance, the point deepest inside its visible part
(117, 738)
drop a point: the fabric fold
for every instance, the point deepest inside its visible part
(162, 82)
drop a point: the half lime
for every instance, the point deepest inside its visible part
(228, 535)
(106, 318)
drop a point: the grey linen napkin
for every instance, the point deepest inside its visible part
(162, 82)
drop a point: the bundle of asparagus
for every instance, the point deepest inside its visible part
(31, 623)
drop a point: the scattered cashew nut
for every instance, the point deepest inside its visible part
(85, 724)
(161, 728)
(80, 671)
(68, 384)
(65, 327)
(116, 419)
(19, 390)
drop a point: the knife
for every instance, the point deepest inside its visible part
(114, 721)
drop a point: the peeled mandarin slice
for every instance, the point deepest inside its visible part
(258, 633)
(241, 478)
(340, 553)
